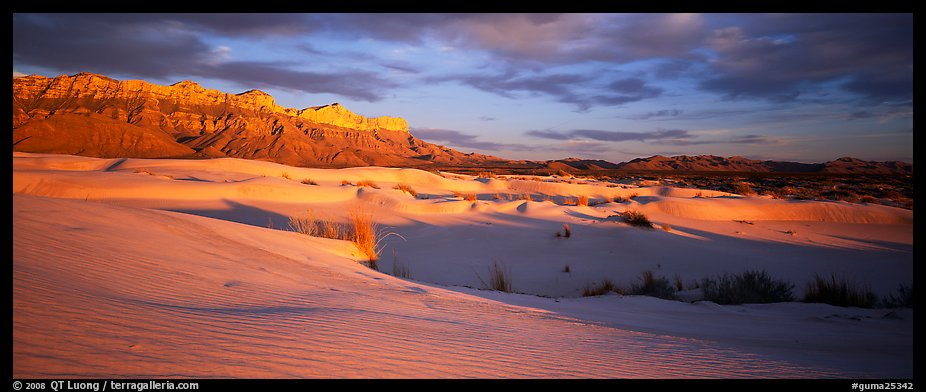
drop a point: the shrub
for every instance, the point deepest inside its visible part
(606, 286)
(755, 287)
(470, 197)
(368, 183)
(566, 232)
(407, 189)
(904, 298)
(308, 181)
(636, 218)
(652, 286)
(487, 174)
(839, 292)
(286, 175)
(743, 188)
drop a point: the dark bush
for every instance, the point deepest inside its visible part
(750, 287)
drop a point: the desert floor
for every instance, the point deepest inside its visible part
(188, 268)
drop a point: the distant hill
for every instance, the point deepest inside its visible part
(740, 164)
(94, 115)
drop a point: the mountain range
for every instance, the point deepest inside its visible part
(94, 115)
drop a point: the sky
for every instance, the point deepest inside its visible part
(795, 87)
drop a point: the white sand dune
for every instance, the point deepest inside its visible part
(147, 268)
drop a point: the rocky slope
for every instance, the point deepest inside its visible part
(93, 115)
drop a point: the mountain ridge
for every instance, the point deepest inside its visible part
(95, 115)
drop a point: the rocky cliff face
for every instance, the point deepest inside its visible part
(89, 114)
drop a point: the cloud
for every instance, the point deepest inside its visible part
(158, 48)
(460, 139)
(611, 136)
(746, 139)
(657, 114)
(580, 90)
(784, 57)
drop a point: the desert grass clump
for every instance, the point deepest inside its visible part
(566, 231)
(314, 227)
(743, 188)
(407, 189)
(499, 278)
(368, 183)
(286, 175)
(903, 299)
(583, 201)
(750, 287)
(470, 197)
(839, 292)
(637, 218)
(345, 182)
(487, 174)
(308, 181)
(653, 286)
(365, 233)
(605, 287)
(400, 270)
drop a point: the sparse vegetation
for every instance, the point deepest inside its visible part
(839, 292)
(400, 270)
(903, 299)
(743, 188)
(487, 174)
(499, 278)
(286, 175)
(407, 189)
(653, 286)
(637, 218)
(368, 183)
(324, 228)
(308, 181)
(583, 200)
(749, 287)
(345, 182)
(606, 286)
(566, 231)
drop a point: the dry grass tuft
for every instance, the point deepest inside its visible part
(368, 183)
(308, 181)
(499, 278)
(583, 200)
(605, 287)
(407, 189)
(839, 292)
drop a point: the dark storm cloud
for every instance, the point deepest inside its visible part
(580, 90)
(783, 57)
(461, 139)
(157, 47)
(359, 85)
(610, 136)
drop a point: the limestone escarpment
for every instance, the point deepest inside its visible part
(89, 114)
